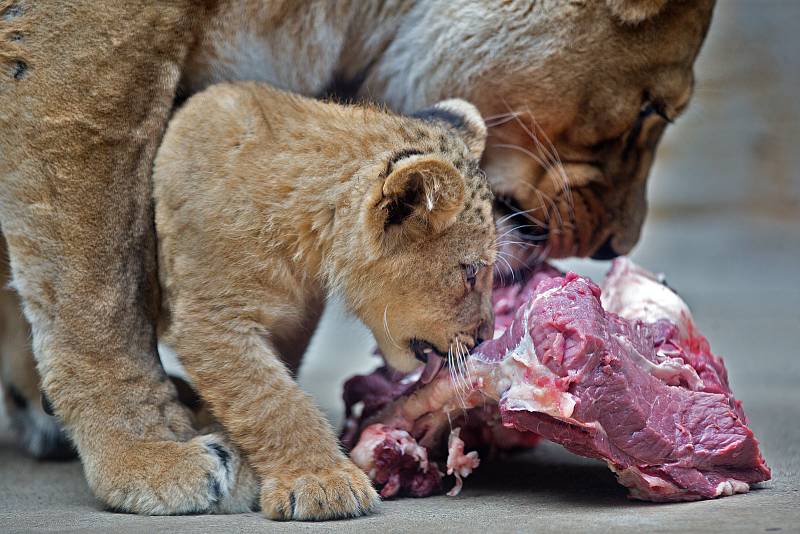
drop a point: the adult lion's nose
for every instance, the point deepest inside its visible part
(606, 251)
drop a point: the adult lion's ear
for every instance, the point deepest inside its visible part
(462, 116)
(635, 11)
(420, 197)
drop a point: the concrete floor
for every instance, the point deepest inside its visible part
(724, 226)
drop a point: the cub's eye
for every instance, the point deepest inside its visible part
(471, 273)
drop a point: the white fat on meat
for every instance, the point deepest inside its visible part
(671, 371)
(635, 293)
(515, 381)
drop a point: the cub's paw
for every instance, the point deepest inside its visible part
(339, 491)
(167, 478)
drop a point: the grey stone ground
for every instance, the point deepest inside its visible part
(725, 227)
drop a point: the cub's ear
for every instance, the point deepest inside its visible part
(420, 197)
(462, 116)
(635, 11)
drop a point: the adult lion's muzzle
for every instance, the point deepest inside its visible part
(557, 201)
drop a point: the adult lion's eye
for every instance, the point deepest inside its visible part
(652, 108)
(471, 273)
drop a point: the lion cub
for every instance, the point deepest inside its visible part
(266, 204)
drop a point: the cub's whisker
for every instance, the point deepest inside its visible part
(386, 327)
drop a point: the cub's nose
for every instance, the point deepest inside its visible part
(606, 251)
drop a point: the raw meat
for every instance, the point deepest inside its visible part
(621, 375)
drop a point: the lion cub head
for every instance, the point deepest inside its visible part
(427, 234)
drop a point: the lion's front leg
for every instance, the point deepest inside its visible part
(81, 114)
(290, 445)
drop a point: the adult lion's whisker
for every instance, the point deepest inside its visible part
(551, 154)
(549, 159)
(514, 213)
(499, 119)
(525, 151)
(518, 227)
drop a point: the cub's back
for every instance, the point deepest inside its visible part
(204, 153)
(230, 133)
(212, 132)
(219, 149)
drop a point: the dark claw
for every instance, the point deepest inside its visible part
(214, 489)
(223, 455)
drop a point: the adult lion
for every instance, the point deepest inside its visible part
(577, 93)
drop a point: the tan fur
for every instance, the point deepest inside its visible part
(266, 204)
(86, 89)
(38, 433)
(635, 11)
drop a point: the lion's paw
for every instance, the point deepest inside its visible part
(336, 492)
(169, 478)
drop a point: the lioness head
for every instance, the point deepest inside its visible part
(426, 222)
(576, 96)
